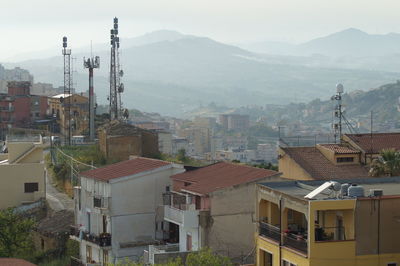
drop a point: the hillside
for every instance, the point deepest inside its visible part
(170, 73)
(383, 102)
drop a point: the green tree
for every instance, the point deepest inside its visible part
(206, 258)
(182, 156)
(15, 234)
(388, 163)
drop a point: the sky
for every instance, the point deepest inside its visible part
(34, 25)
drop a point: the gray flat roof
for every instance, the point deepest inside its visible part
(300, 188)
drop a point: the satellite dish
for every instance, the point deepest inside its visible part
(339, 88)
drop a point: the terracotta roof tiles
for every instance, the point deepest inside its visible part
(15, 262)
(340, 149)
(221, 175)
(125, 168)
(377, 142)
(319, 167)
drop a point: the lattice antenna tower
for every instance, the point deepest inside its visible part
(116, 87)
(67, 91)
(339, 117)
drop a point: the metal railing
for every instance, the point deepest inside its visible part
(270, 231)
(103, 240)
(295, 241)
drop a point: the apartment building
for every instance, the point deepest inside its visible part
(116, 209)
(234, 121)
(212, 206)
(22, 173)
(18, 108)
(79, 110)
(346, 222)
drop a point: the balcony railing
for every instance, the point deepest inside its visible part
(295, 241)
(103, 240)
(270, 231)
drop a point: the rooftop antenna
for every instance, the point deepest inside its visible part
(116, 87)
(339, 117)
(67, 91)
(91, 63)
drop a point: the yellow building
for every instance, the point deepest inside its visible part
(22, 173)
(79, 110)
(324, 161)
(318, 223)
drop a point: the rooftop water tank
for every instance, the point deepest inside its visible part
(355, 191)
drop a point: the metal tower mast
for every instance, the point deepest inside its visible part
(67, 91)
(91, 63)
(116, 87)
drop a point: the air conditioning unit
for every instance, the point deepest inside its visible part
(375, 192)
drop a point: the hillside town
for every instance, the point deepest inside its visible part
(95, 181)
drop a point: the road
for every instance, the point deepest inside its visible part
(57, 200)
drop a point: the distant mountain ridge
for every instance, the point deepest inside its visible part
(169, 73)
(350, 42)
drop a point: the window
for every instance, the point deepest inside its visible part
(345, 159)
(31, 187)
(97, 202)
(287, 263)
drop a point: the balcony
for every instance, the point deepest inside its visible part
(103, 240)
(270, 231)
(184, 215)
(294, 241)
(330, 234)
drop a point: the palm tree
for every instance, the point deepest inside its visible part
(388, 163)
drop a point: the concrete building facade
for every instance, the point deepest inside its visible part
(22, 174)
(309, 223)
(116, 209)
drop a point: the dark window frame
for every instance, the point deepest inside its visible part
(345, 159)
(31, 187)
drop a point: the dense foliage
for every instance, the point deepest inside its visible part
(15, 234)
(388, 163)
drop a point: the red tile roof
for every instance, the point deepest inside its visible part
(15, 262)
(340, 149)
(377, 143)
(125, 168)
(319, 167)
(221, 175)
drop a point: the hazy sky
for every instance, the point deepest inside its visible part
(28, 25)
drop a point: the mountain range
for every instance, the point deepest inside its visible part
(170, 72)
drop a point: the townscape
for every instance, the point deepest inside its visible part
(88, 177)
